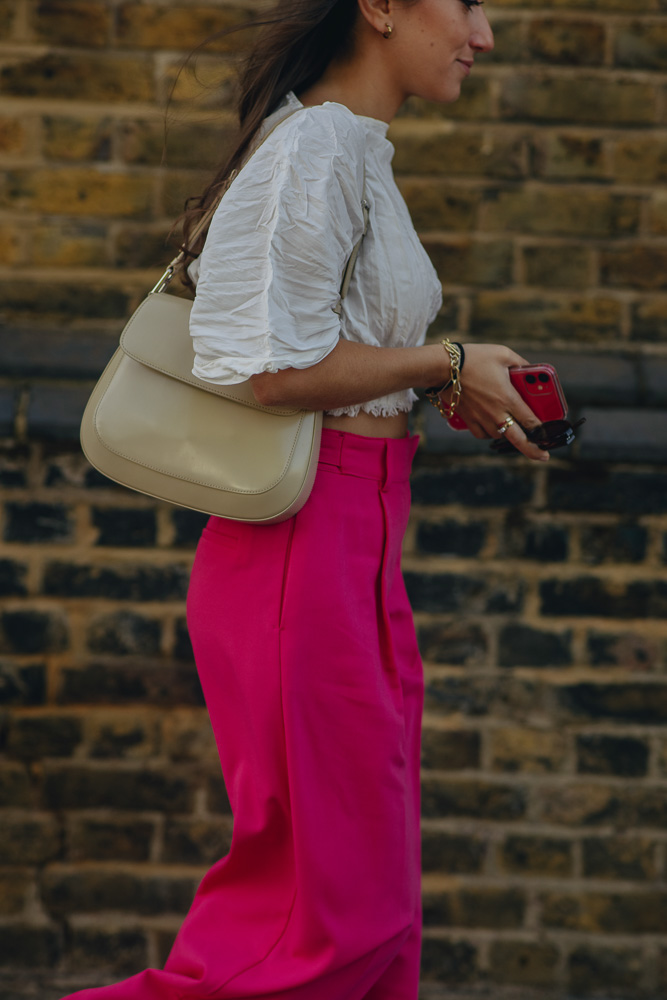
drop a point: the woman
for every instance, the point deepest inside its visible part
(302, 631)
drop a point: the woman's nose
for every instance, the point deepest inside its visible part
(482, 37)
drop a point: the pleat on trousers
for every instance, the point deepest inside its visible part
(305, 646)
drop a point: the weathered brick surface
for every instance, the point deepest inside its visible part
(539, 594)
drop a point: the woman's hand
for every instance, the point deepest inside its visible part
(489, 398)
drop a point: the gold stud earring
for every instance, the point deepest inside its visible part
(387, 33)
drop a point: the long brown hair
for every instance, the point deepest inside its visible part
(299, 39)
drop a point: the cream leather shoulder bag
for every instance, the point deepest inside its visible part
(154, 427)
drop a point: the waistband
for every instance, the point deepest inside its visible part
(387, 460)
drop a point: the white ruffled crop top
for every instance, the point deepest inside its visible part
(269, 276)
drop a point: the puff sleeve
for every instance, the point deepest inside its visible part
(270, 272)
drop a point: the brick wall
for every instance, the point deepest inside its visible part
(539, 594)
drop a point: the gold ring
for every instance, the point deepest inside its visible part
(505, 426)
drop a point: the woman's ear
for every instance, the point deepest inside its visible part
(376, 13)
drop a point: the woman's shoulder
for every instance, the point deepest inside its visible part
(323, 129)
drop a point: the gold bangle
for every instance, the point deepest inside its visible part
(455, 361)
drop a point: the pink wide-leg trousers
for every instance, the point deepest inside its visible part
(306, 651)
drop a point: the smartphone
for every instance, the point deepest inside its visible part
(539, 386)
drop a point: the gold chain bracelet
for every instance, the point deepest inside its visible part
(455, 361)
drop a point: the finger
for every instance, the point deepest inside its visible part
(517, 437)
(478, 431)
(522, 412)
(516, 360)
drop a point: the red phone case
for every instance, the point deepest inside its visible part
(539, 386)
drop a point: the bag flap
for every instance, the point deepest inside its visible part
(158, 336)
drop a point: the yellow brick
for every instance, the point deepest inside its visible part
(150, 27)
(12, 135)
(70, 245)
(208, 82)
(13, 242)
(71, 22)
(81, 77)
(658, 213)
(538, 751)
(68, 138)
(79, 191)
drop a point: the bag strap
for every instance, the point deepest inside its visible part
(178, 262)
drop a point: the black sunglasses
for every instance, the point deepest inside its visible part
(550, 435)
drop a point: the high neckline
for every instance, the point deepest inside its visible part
(376, 125)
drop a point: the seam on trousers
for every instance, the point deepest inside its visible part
(286, 568)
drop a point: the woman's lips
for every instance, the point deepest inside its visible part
(467, 65)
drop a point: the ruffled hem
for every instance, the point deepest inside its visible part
(386, 406)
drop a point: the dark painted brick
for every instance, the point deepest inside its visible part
(548, 856)
(480, 799)
(621, 755)
(182, 643)
(640, 912)
(451, 854)
(124, 951)
(12, 577)
(15, 786)
(38, 522)
(496, 908)
(31, 738)
(613, 543)
(155, 682)
(22, 685)
(101, 840)
(196, 842)
(594, 805)
(29, 947)
(54, 412)
(87, 788)
(188, 526)
(450, 962)
(129, 582)
(522, 646)
(124, 526)
(654, 379)
(623, 435)
(525, 963)
(457, 642)
(127, 736)
(30, 841)
(33, 631)
(625, 649)
(448, 592)
(13, 465)
(7, 410)
(124, 632)
(450, 750)
(524, 540)
(473, 486)
(602, 489)
(62, 353)
(592, 969)
(458, 538)
(505, 697)
(619, 858)
(590, 595)
(641, 703)
(91, 891)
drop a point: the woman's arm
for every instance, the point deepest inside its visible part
(354, 373)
